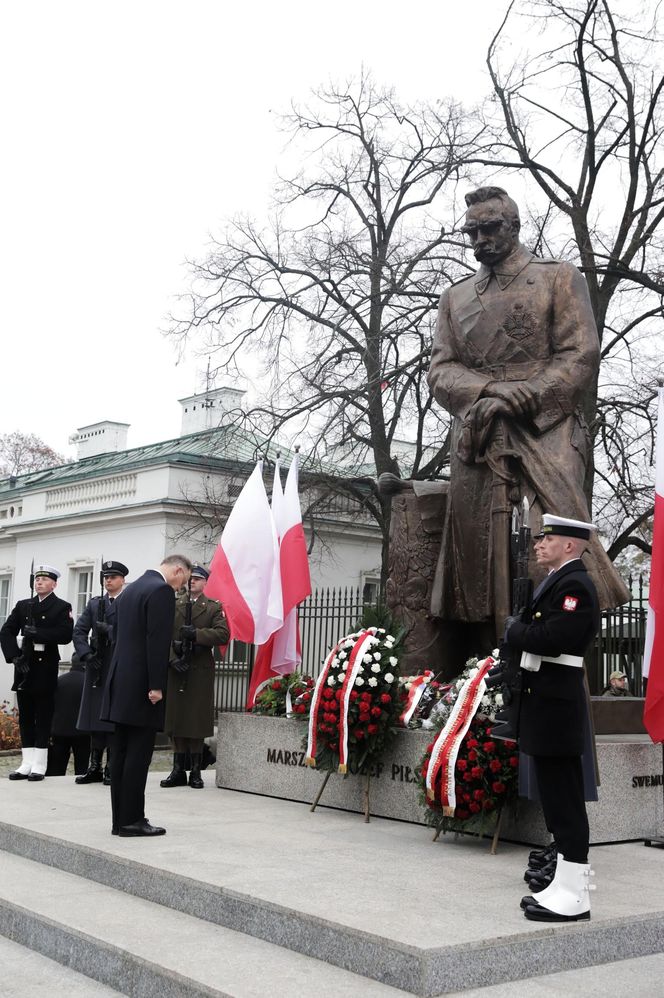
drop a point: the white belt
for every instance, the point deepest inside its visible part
(38, 647)
(531, 663)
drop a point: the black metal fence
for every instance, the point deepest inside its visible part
(328, 614)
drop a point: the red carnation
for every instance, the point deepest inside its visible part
(359, 733)
(462, 764)
(468, 777)
(339, 695)
(299, 708)
(385, 698)
(510, 745)
(514, 761)
(376, 712)
(495, 765)
(465, 796)
(365, 696)
(372, 729)
(489, 746)
(472, 755)
(476, 772)
(472, 743)
(498, 787)
(478, 794)
(327, 693)
(297, 690)
(306, 696)
(354, 695)
(474, 808)
(276, 685)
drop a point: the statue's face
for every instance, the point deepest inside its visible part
(492, 236)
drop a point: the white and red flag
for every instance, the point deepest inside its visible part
(244, 573)
(281, 654)
(653, 658)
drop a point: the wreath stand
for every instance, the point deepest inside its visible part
(367, 788)
(496, 832)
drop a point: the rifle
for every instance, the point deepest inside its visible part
(96, 661)
(184, 649)
(22, 663)
(508, 670)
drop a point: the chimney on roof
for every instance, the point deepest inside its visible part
(207, 410)
(106, 437)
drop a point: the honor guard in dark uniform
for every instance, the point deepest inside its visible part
(190, 695)
(94, 640)
(45, 622)
(561, 623)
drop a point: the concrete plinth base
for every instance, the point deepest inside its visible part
(264, 755)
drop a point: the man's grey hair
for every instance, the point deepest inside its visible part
(510, 208)
(178, 559)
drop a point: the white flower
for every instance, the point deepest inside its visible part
(426, 723)
(360, 668)
(331, 681)
(486, 701)
(389, 637)
(342, 675)
(499, 699)
(495, 653)
(388, 677)
(394, 661)
(389, 642)
(367, 658)
(341, 655)
(377, 656)
(359, 681)
(472, 673)
(372, 630)
(375, 667)
(459, 683)
(373, 681)
(380, 630)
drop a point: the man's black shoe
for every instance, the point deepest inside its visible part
(114, 831)
(142, 827)
(538, 913)
(529, 900)
(19, 776)
(543, 872)
(34, 777)
(92, 776)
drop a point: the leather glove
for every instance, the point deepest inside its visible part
(21, 664)
(29, 631)
(188, 632)
(179, 664)
(102, 628)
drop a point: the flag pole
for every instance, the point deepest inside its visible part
(658, 840)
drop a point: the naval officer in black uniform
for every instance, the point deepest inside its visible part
(94, 641)
(46, 622)
(134, 694)
(563, 621)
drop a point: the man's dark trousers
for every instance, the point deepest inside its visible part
(131, 753)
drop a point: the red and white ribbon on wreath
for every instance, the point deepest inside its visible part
(365, 640)
(417, 688)
(316, 702)
(446, 747)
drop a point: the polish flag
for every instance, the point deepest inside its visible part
(244, 573)
(283, 653)
(653, 659)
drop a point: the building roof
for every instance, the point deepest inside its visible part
(223, 446)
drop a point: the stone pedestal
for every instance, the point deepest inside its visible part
(264, 755)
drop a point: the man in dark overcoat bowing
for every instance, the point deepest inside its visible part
(45, 622)
(134, 693)
(94, 641)
(562, 622)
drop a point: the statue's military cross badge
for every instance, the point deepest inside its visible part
(519, 324)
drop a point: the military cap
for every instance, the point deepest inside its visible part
(199, 572)
(48, 570)
(618, 675)
(114, 568)
(561, 526)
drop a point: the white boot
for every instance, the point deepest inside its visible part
(567, 898)
(23, 771)
(39, 764)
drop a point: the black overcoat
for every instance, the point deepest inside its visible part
(190, 714)
(144, 628)
(565, 619)
(53, 620)
(85, 642)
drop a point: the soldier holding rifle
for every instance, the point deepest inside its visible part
(94, 640)
(199, 625)
(45, 622)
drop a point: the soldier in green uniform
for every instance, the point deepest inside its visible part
(190, 694)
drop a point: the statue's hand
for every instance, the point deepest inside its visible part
(484, 411)
(519, 395)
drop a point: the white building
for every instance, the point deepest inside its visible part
(137, 505)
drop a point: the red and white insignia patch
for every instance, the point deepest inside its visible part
(570, 603)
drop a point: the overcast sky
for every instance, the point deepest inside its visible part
(130, 130)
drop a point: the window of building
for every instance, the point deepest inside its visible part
(83, 589)
(370, 585)
(5, 590)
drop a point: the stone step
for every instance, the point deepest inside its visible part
(139, 948)
(498, 954)
(27, 974)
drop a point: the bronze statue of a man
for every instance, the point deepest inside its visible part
(515, 348)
